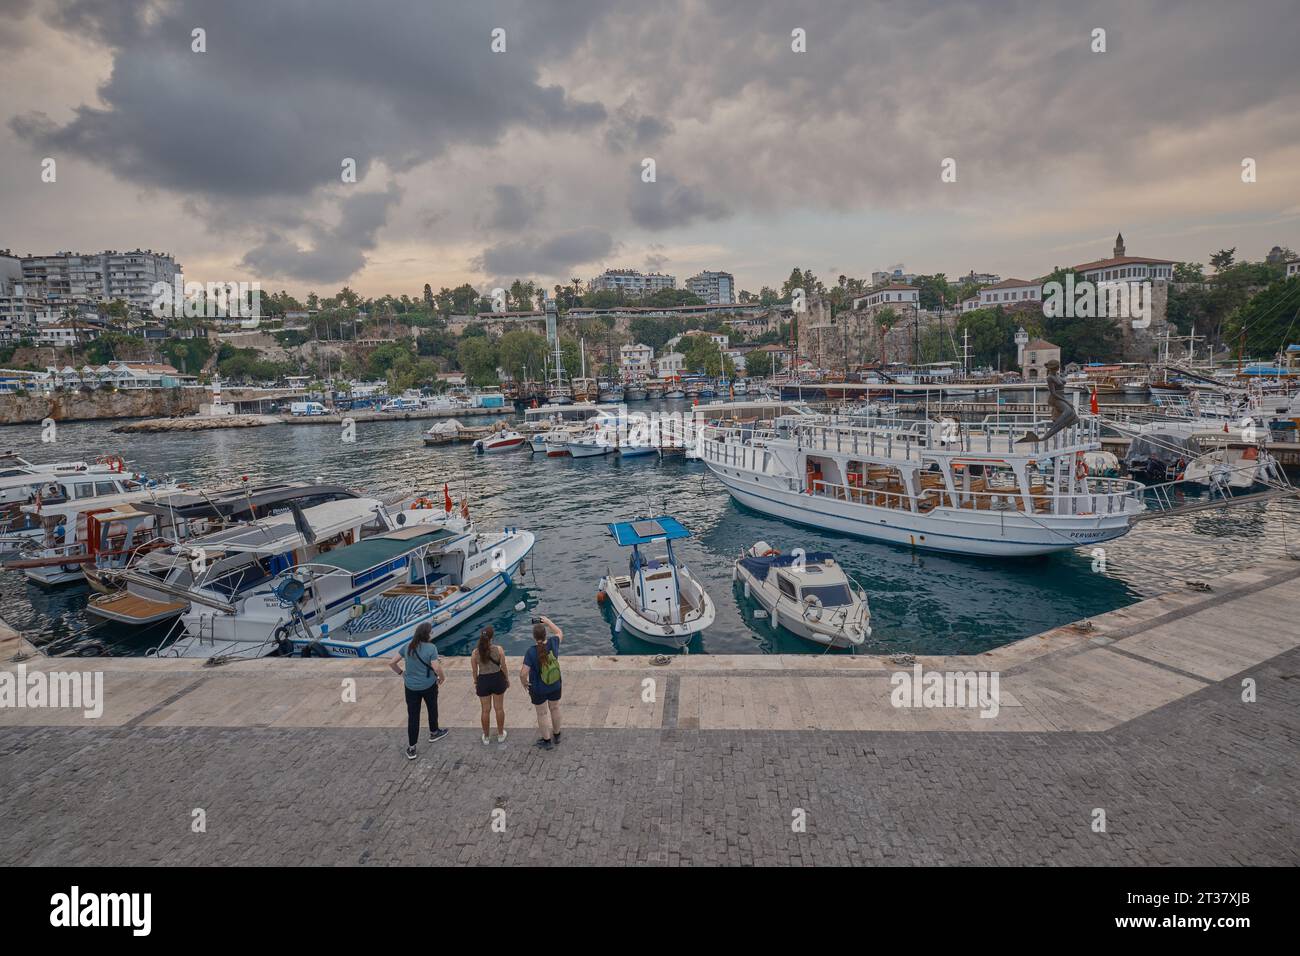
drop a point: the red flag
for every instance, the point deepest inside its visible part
(446, 498)
(1092, 402)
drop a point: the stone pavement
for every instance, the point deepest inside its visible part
(1140, 715)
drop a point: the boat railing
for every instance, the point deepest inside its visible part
(921, 439)
(1100, 496)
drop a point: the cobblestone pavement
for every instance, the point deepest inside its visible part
(1205, 780)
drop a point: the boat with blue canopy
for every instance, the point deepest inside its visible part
(658, 600)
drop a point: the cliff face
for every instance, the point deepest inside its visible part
(74, 405)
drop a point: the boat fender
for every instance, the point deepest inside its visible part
(601, 596)
(746, 589)
(776, 618)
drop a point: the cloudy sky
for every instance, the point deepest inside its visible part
(480, 166)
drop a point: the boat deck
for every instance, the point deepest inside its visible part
(126, 604)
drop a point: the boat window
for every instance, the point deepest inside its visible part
(105, 488)
(831, 595)
(786, 587)
(86, 490)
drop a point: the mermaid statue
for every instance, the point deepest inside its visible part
(1060, 405)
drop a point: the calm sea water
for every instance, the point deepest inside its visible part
(920, 602)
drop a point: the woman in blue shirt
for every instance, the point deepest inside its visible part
(544, 655)
(422, 675)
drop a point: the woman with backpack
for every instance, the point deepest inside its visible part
(422, 675)
(541, 676)
(491, 681)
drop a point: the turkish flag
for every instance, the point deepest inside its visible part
(446, 498)
(1092, 402)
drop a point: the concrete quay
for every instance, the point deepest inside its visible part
(1179, 717)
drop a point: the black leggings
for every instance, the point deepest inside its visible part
(413, 698)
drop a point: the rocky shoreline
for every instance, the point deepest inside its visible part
(197, 423)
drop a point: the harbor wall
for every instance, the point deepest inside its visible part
(77, 405)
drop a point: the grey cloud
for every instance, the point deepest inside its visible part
(666, 204)
(554, 257)
(336, 251)
(513, 207)
(628, 128)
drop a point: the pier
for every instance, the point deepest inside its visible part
(697, 759)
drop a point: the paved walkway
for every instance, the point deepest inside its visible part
(1139, 715)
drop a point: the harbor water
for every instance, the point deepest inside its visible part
(921, 602)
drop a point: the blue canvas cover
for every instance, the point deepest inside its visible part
(759, 567)
(646, 530)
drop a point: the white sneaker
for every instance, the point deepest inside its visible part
(501, 737)
(485, 740)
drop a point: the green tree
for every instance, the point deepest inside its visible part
(1270, 319)
(758, 363)
(477, 358)
(1223, 258)
(520, 349)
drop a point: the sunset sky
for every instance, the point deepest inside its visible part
(484, 167)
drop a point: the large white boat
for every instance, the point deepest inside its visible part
(21, 479)
(970, 489)
(61, 537)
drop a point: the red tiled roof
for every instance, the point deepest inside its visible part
(1121, 261)
(1039, 345)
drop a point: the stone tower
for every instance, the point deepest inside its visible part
(1119, 245)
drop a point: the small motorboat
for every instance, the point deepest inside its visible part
(1228, 469)
(658, 600)
(505, 440)
(590, 445)
(808, 594)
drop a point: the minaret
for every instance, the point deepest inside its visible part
(1119, 245)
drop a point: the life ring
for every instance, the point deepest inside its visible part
(812, 609)
(1080, 469)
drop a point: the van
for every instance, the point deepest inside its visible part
(307, 408)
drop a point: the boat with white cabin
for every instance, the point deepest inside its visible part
(658, 600)
(808, 594)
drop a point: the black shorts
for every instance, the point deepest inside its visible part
(540, 698)
(489, 684)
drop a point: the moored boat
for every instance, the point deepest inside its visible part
(808, 594)
(659, 599)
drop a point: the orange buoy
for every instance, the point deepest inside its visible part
(600, 597)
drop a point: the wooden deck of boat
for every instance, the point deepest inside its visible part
(1087, 676)
(139, 608)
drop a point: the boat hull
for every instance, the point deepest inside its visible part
(984, 533)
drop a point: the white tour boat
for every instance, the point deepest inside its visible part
(978, 489)
(806, 593)
(658, 599)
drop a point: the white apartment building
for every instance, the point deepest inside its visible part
(65, 334)
(717, 338)
(1009, 291)
(632, 282)
(1125, 268)
(897, 277)
(1293, 268)
(894, 295)
(979, 278)
(68, 280)
(671, 364)
(715, 288)
(636, 361)
(20, 307)
(971, 304)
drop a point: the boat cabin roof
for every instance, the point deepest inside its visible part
(647, 530)
(227, 502)
(380, 549)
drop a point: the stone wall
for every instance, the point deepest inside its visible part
(125, 403)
